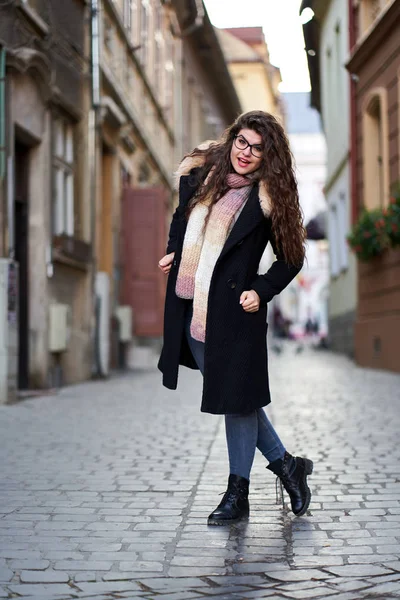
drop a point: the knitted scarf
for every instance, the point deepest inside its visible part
(201, 249)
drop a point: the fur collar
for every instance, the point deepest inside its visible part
(192, 162)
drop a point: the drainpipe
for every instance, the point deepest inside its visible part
(179, 109)
(93, 124)
(2, 125)
(353, 116)
(95, 45)
(6, 160)
(93, 118)
(2, 113)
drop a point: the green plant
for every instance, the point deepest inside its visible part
(376, 230)
(392, 218)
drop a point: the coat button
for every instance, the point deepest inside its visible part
(174, 263)
(231, 283)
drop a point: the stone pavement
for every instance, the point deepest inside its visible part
(105, 489)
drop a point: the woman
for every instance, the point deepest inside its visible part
(235, 196)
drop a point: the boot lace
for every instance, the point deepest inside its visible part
(231, 494)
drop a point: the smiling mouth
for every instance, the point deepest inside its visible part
(243, 162)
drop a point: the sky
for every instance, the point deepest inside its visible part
(282, 29)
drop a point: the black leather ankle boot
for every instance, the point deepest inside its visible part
(234, 505)
(292, 472)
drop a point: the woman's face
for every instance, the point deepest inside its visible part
(242, 157)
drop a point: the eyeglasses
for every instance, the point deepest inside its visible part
(241, 144)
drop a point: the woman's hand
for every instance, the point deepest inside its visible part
(166, 262)
(250, 301)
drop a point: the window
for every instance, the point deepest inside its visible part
(338, 225)
(169, 76)
(144, 32)
(158, 53)
(330, 107)
(343, 230)
(144, 173)
(109, 35)
(135, 10)
(63, 169)
(333, 238)
(341, 99)
(126, 69)
(125, 177)
(375, 149)
(128, 14)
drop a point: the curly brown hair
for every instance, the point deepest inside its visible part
(276, 170)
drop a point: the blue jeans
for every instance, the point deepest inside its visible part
(244, 432)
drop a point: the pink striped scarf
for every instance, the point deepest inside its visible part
(201, 249)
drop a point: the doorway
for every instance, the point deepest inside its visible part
(21, 154)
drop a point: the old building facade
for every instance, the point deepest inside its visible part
(165, 88)
(255, 78)
(368, 98)
(44, 227)
(327, 45)
(100, 100)
(375, 68)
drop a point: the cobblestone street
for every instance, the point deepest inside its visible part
(106, 487)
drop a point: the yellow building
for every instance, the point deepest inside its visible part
(255, 79)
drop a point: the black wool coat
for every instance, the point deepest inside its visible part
(235, 354)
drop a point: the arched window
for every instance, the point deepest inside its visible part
(375, 149)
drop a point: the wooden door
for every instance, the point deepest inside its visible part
(143, 244)
(22, 257)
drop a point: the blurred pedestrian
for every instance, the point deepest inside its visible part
(309, 326)
(235, 196)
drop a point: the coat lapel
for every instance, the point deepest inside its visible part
(249, 218)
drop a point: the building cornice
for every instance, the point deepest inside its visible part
(34, 18)
(210, 56)
(245, 61)
(312, 38)
(311, 31)
(134, 117)
(374, 37)
(27, 60)
(319, 7)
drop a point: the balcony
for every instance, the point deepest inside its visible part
(72, 251)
